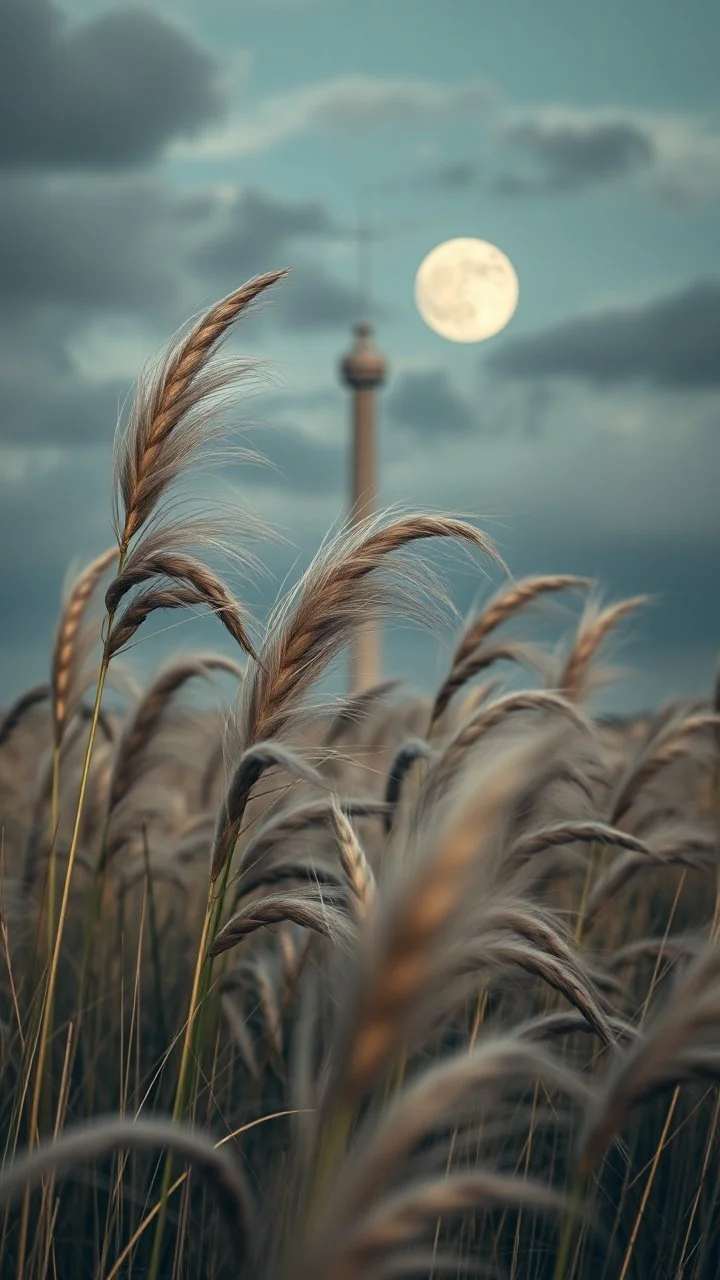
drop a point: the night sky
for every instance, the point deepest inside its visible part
(153, 157)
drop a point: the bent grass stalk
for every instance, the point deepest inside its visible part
(48, 999)
(45, 1029)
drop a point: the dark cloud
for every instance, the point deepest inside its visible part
(101, 94)
(257, 230)
(426, 403)
(668, 342)
(259, 233)
(570, 156)
(62, 410)
(93, 246)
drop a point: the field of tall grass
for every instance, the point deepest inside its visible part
(380, 987)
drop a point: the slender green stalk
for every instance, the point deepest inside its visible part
(563, 1256)
(48, 1001)
(154, 942)
(45, 1028)
(54, 819)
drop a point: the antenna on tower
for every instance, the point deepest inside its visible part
(364, 238)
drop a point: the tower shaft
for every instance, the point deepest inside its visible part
(363, 370)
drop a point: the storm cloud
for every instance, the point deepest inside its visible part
(573, 155)
(101, 94)
(668, 342)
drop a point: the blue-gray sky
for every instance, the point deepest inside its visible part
(153, 156)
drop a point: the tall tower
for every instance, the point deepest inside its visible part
(364, 369)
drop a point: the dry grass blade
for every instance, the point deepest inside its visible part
(673, 745)
(281, 827)
(20, 708)
(563, 833)
(97, 1138)
(150, 711)
(252, 765)
(561, 972)
(446, 1094)
(681, 1043)
(161, 434)
(403, 957)
(551, 1026)
(279, 867)
(594, 629)
(322, 614)
(507, 604)
(146, 602)
(670, 949)
(355, 865)
(412, 1213)
(696, 855)
(193, 583)
(66, 650)
(307, 909)
(488, 718)
(460, 675)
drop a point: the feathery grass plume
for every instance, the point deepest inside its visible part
(170, 419)
(447, 1093)
(689, 850)
(595, 626)
(280, 867)
(21, 706)
(281, 827)
(677, 947)
(660, 752)
(562, 833)
(551, 1026)
(411, 1214)
(348, 582)
(355, 865)
(507, 604)
(400, 962)
(193, 585)
(513, 933)
(95, 1138)
(357, 709)
(252, 765)
(681, 1043)
(507, 651)
(325, 915)
(149, 713)
(68, 649)
(405, 757)
(484, 721)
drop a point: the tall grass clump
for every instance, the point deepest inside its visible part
(380, 986)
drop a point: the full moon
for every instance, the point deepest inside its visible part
(466, 290)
